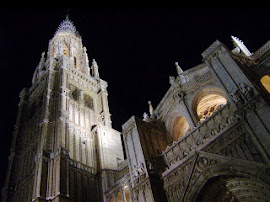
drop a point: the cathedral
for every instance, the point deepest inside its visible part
(207, 140)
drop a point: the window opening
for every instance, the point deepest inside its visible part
(265, 81)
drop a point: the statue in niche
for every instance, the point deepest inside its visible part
(246, 90)
(135, 174)
(141, 169)
(237, 97)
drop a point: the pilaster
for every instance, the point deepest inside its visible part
(106, 117)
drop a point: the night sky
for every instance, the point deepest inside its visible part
(135, 49)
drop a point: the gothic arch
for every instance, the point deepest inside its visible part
(119, 197)
(206, 101)
(74, 56)
(127, 194)
(111, 199)
(180, 127)
(231, 172)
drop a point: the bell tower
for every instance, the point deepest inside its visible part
(63, 138)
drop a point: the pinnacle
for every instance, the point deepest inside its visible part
(66, 26)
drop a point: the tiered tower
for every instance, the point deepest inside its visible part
(63, 139)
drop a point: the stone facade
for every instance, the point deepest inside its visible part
(207, 140)
(214, 120)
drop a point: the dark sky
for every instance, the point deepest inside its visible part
(134, 48)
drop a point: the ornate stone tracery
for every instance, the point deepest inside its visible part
(66, 26)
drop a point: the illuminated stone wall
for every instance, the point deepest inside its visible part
(215, 120)
(208, 137)
(63, 139)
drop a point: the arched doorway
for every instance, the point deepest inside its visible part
(180, 127)
(215, 190)
(233, 189)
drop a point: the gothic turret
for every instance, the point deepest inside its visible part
(63, 140)
(67, 44)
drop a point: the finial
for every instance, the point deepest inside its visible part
(67, 13)
(151, 109)
(67, 17)
(238, 43)
(95, 69)
(178, 68)
(145, 116)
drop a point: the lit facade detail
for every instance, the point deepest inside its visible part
(207, 140)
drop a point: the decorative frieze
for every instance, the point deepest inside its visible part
(197, 139)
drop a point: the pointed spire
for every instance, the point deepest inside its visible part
(67, 17)
(66, 26)
(181, 78)
(151, 109)
(178, 69)
(240, 44)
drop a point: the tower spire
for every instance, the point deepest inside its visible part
(66, 26)
(151, 109)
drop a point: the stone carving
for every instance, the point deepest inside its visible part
(138, 172)
(196, 139)
(182, 79)
(180, 95)
(141, 169)
(237, 97)
(171, 80)
(94, 68)
(66, 26)
(246, 90)
(240, 44)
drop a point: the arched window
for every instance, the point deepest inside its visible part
(75, 61)
(111, 199)
(265, 80)
(180, 127)
(88, 101)
(209, 103)
(127, 195)
(52, 52)
(119, 197)
(66, 51)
